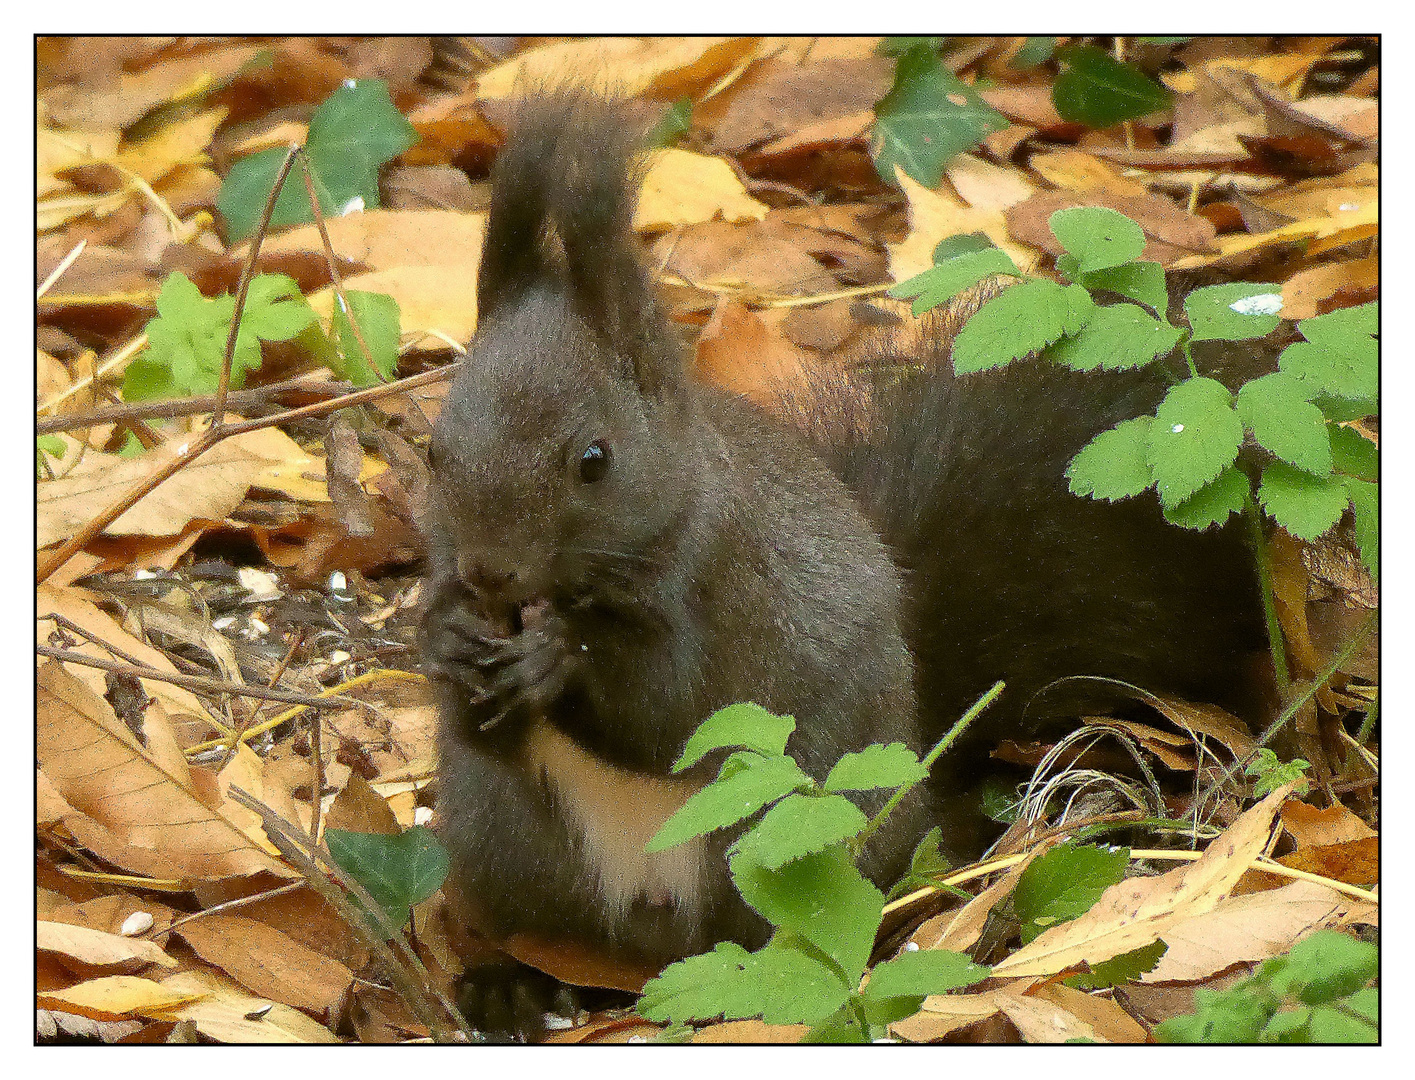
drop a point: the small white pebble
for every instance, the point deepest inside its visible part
(338, 656)
(911, 946)
(261, 584)
(349, 84)
(223, 623)
(143, 575)
(139, 922)
(258, 628)
(1177, 429)
(422, 815)
(338, 582)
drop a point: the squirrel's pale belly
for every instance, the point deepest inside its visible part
(615, 812)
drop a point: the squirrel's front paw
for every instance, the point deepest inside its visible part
(527, 671)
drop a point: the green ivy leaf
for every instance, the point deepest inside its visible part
(1236, 311)
(1195, 436)
(1277, 409)
(740, 792)
(943, 282)
(744, 724)
(378, 318)
(1023, 319)
(1064, 883)
(1099, 91)
(1099, 238)
(919, 974)
(800, 825)
(398, 871)
(1301, 503)
(1034, 51)
(1115, 464)
(822, 897)
(352, 135)
(1213, 503)
(1118, 336)
(929, 117)
(876, 766)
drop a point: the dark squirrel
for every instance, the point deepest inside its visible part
(616, 551)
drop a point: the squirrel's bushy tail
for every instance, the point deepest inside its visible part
(563, 196)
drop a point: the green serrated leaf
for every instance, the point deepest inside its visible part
(1023, 319)
(1195, 436)
(1118, 336)
(1348, 369)
(822, 897)
(1213, 503)
(1121, 969)
(929, 117)
(796, 988)
(1353, 454)
(1229, 1016)
(752, 783)
(891, 766)
(943, 282)
(919, 974)
(1064, 883)
(1034, 51)
(744, 724)
(352, 135)
(1098, 91)
(1140, 281)
(398, 871)
(1325, 967)
(1099, 238)
(378, 318)
(1115, 464)
(702, 988)
(799, 825)
(950, 247)
(1277, 409)
(1331, 1024)
(1336, 327)
(1235, 311)
(1301, 503)
(1366, 521)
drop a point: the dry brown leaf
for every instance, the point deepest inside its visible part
(960, 930)
(153, 821)
(738, 352)
(267, 962)
(57, 151)
(180, 143)
(751, 1031)
(1137, 911)
(1043, 1020)
(384, 239)
(1356, 862)
(621, 67)
(1251, 927)
(98, 948)
(116, 996)
(1083, 173)
(1171, 234)
(430, 298)
(221, 1010)
(1108, 1020)
(1304, 292)
(943, 1014)
(935, 215)
(985, 186)
(210, 487)
(358, 808)
(1311, 827)
(107, 109)
(684, 188)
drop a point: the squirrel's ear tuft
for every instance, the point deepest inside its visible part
(562, 209)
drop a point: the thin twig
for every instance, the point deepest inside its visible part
(58, 272)
(191, 682)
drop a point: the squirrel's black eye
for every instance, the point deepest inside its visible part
(594, 462)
